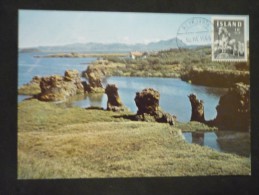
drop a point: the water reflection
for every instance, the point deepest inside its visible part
(83, 101)
(223, 141)
(87, 100)
(234, 142)
(198, 138)
(96, 99)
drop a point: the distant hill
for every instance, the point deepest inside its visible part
(111, 47)
(29, 50)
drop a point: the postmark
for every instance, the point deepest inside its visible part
(194, 32)
(229, 38)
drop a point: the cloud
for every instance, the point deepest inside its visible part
(124, 39)
(81, 39)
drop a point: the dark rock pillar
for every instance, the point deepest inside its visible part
(114, 102)
(197, 109)
(147, 102)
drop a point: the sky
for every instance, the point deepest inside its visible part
(51, 28)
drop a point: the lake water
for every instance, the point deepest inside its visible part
(173, 92)
(223, 141)
(29, 66)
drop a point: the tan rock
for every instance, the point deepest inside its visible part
(114, 102)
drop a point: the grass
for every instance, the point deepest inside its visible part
(212, 77)
(36, 116)
(29, 89)
(135, 70)
(56, 142)
(178, 64)
(194, 126)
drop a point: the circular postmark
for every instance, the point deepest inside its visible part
(194, 32)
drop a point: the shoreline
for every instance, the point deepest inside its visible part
(186, 65)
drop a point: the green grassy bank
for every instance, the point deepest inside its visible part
(60, 142)
(192, 65)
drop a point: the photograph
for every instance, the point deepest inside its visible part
(105, 94)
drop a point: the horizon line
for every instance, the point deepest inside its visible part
(30, 47)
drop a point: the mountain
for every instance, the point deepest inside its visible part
(111, 47)
(29, 50)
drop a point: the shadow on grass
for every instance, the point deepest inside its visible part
(127, 116)
(131, 117)
(94, 108)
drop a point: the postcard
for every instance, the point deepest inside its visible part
(132, 94)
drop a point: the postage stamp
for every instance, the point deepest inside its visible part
(229, 38)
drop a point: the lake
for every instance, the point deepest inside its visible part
(29, 66)
(223, 141)
(173, 91)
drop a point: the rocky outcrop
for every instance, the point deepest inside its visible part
(215, 78)
(59, 88)
(36, 79)
(114, 102)
(31, 88)
(86, 86)
(233, 110)
(72, 75)
(94, 76)
(147, 102)
(164, 117)
(197, 109)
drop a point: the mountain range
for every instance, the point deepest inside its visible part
(109, 47)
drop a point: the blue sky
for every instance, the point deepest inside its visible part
(49, 28)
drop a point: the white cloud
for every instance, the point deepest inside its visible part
(124, 39)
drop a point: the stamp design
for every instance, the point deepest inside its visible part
(229, 40)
